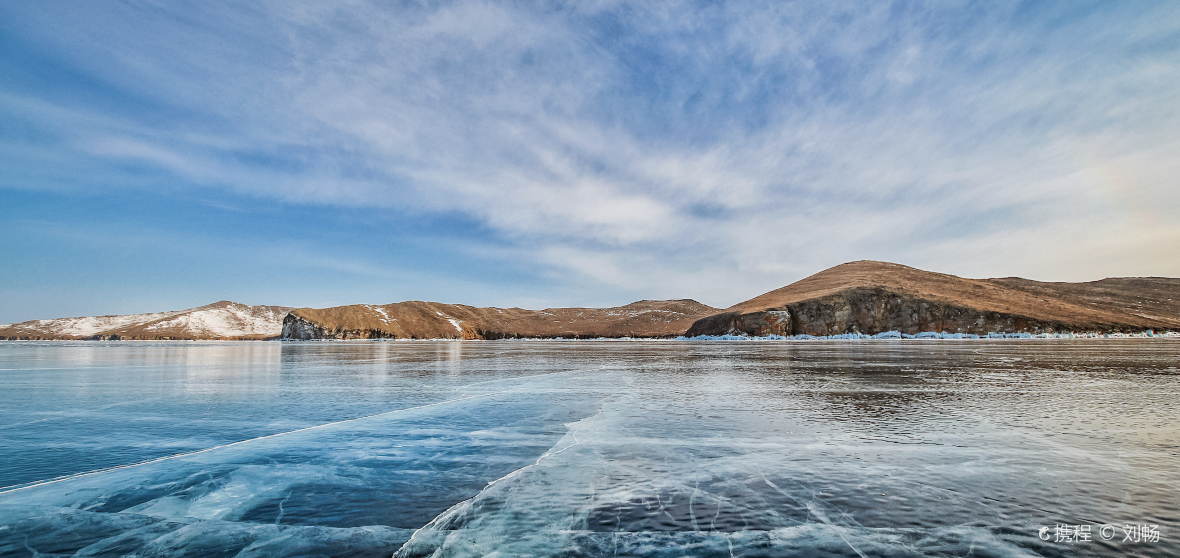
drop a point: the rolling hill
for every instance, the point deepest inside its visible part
(433, 320)
(220, 320)
(858, 297)
(872, 297)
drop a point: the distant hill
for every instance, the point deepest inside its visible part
(432, 320)
(220, 320)
(865, 297)
(873, 297)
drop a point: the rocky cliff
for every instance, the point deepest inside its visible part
(432, 320)
(873, 297)
(221, 320)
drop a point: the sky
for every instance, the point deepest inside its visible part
(164, 155)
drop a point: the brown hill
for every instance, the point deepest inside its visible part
(432, 320)
(220, 320)
(872, 297)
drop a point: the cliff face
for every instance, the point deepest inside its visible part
(432, 320)
(873, 297)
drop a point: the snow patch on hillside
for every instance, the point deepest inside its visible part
(220, 320)
(380, 310)
(87, 326)
(232, 320)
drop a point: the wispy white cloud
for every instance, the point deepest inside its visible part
(718, 151)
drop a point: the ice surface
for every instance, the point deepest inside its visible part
(620, 486)
(46, 531)
(955, 448)
(384, 475)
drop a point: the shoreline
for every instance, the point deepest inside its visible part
(884, 336)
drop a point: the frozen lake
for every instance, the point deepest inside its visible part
(595, 448)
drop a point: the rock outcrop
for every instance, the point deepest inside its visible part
(223, 320)
(432, 320)
(873, 297)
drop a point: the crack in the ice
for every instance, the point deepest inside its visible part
(663, 508)
(713, 523)
(279, 519)
(573, 434)
(813, 507)
(31, 549)
(15, 488)
(1014, 504)
(75, 414)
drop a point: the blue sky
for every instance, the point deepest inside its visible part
(164, 155)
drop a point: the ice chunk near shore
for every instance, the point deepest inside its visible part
(854, 335)
(894, 334)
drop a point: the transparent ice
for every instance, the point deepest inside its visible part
(599, 448)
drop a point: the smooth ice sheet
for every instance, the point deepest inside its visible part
(673, 449)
